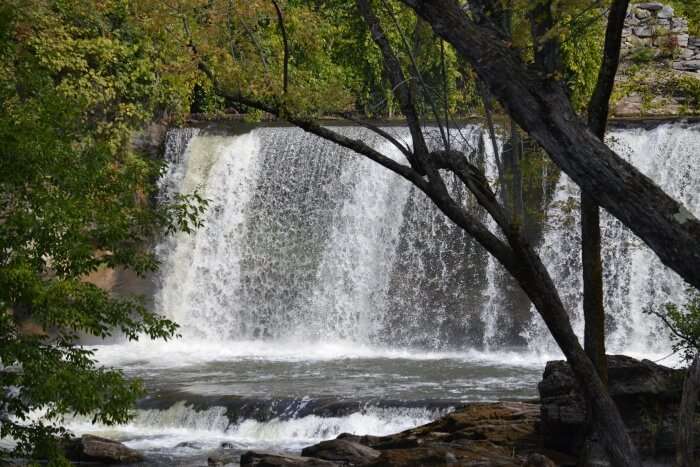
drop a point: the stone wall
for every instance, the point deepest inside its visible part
(653, 30)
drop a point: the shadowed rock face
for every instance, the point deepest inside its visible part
(647, 395)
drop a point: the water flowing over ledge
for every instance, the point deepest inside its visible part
(305, 241)
(326, 295)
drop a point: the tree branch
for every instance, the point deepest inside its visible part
(381, 132)
(541, 107)
(280, 22)
(599, 105)
(403, 92)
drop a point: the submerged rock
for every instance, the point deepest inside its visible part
(91, 448)
(222, 457)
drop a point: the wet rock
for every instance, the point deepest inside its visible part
(647, 395)
(268, 459)
(480, 454)
(538, 460)
(223, 457)
(475, 434)
(342, 450)
(189, 444)
(91, 448)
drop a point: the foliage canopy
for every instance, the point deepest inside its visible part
(76, 79)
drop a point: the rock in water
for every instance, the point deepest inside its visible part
(268, 459)
(342, 450)
(647, 395)
(91, 448)
(478, 434)
(222, 457)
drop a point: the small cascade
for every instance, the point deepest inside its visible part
(185, 430)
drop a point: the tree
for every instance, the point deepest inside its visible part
(76, 79)
(540, 105)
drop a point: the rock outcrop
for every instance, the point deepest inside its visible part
(479, 434)
(647, 395)
(660, 64)
(656, 27)
(91, 448)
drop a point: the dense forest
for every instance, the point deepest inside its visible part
(79, 79)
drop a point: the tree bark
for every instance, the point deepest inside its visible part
(598, 111)
(541, 107)
(685, 436)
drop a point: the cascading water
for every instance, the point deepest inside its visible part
(325, 294)
(303, 240)
(634, 279)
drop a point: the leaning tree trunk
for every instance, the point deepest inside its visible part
(541, 107)
(685, 435)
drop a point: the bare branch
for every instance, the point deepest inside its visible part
(280, 22)
(384, 134)
(417, 72)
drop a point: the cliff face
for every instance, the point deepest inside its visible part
(660, 68)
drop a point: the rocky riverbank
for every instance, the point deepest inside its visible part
(551, 432)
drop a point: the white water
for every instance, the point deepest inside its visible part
(634, 278)
(329, 254)
(185, 431)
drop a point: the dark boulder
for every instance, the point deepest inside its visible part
(479, 434)
(342, 450)
(268, 459)
(91, 448)
(222, 457)
(646, 393)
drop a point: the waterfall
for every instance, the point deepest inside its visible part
(634, 279)
(304, 240)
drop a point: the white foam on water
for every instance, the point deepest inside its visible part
(159, 430)
(191, 352)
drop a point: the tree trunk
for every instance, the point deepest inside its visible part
(685, 436)
(598, 111)
(541, 107)
(606, 419)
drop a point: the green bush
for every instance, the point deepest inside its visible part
(642, 55)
